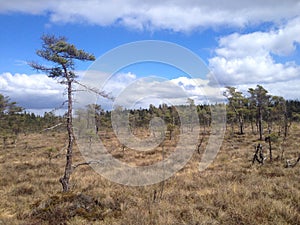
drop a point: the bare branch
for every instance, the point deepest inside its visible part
(61, 106)
(94, 90)
(51, 128)
(289, 164)
(199, 145)
(84, 164)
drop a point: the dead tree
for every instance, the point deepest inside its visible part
(199, 145)
(258, 156)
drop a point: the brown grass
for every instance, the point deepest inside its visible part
(230, 191)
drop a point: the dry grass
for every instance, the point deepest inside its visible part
(230, 191)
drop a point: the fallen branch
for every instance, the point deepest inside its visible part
(289, 164)
(51, 128)
(84, 164)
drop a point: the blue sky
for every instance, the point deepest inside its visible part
(251, 43)
(22, 32)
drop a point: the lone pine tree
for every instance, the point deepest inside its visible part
(62, 56)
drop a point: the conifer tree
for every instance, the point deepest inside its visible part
(62, 56)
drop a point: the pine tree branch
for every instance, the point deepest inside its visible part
(94, 90)
(40, 67)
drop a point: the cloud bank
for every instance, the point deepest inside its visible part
(249, 59)
(39, 94)
(36, 92)
(178, 15)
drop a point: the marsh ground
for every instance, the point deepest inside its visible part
(230, 191)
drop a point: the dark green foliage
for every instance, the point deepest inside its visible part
(293, 109)
(237, 107)
(11, 120)
(259, 100)
(62, 54)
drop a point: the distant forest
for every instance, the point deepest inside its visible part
(261, 111)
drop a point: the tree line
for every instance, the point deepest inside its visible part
(263, 112)
(259, 110)
(14, 120)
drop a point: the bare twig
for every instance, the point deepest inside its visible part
(61, 106)
(94, 90)
(84, 164)
(50, 128)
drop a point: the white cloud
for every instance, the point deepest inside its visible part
(27, 6)
(178, 15)
(286, 89)
(280, 41)
(35, 91)
(249, 58)
(141, 92)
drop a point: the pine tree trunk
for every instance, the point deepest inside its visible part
(241, 121)
(252, 126)
(260, 128)
(286, 125)
(65, 180)
(270, 148)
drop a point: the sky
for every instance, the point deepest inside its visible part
(242, 43)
